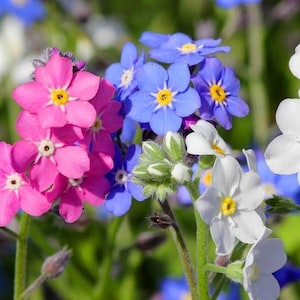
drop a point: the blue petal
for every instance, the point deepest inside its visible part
(230, 83)
(223, 117)
(132, 157)
(164, 55)
(237, 107)
(136, 191)
(179, 77)
(153, 39)
(128, 130)
(114, 73)
(128, 55)
(118, 202)
(164, 120)
(186, 103)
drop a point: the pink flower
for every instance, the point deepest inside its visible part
(108, 120)
(58, 96)
(16, 192)
(92, 188)
(47, 152)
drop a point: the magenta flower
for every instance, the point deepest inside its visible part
(16, 192)
(108, 120)
(48, 151)
(58, 96)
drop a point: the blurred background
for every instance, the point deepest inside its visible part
(123, 258)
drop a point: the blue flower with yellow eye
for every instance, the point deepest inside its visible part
(218, 88)
(164, 97)
(232, 3)
(27, 11)
(179, 47)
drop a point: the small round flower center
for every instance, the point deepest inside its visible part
(75, 181)
(13, 182)
(207, 176)
(97, 125)
(126, 78)
(59, 97)
(217, 93)
(121, 177)
(217, 149)
(46, 148)
(253, 272)
(164, 97)
(188, 48)
(228, 206)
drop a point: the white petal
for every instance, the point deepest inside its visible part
(283, 155)
(206, 129)
(248, 227)
(226, 175)
(251, 159)
(287, 116)
(198, 145)
(222, 236)
(294, 63)
(265, 287)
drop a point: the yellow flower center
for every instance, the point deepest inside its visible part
(164, 97)
(217, 149)
(97, 125)
(188, 48)
(59, 97)
(217, 93)
(228, 206)
(207, 176)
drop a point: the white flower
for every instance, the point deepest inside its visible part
(229, 205)
(205, 140)
(294, 62)
(283, 153)
(181, 173)
(264, 257)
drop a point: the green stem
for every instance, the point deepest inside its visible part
(201, 246)
(21, 257)
(10, 232)
(106, 267)
(255, 37)
(182, 250)
(215, 268)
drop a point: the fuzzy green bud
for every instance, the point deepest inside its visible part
(159, 170)
(173, 145)
(153, 150)
(181, 173)
(234, 271)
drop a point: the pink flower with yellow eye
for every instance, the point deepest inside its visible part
(58, 95)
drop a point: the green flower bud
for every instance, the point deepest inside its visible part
(173, 145)
(234, 271)
(153, 150)
(181, 173)
(159, 170)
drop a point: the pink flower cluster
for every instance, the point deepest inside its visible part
(66, 146)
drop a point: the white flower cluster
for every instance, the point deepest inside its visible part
(232, 207)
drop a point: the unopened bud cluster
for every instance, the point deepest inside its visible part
(161, 167)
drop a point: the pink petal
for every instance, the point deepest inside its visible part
(111, 118)
(104, 94)
(70, 207)
(52, 116)
(43, 174)
(101, 163)
(84, 85)
(5, 157)
(9, 206)
(104, 143)
(95, 189)
(31, 96)
(59, 186)
(33, 202)
(72, 161)
(68, 134)
(61, 71)
(23, 153)
(80, 113)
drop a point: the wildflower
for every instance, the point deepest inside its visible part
(123, 75)
(232, 3)
(48, 151)
(283, 153)
(108, 120)
(58, 96)
(218, 88)
(294, 62)
(27, 11)
(205, 140)
(179, 47)
(228, 205)
(119, 199)
(264, 258)
(16, 190)
(174, 288)
(164, 98)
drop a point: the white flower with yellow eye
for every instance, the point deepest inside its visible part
(229, 205)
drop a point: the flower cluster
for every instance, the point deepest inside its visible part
(66, 147)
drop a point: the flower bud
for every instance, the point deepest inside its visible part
(181, 173)
(158, 220)
(173, 145)
(159, 170)
(152, 150)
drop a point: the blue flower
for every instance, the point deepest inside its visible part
(27, 11)
(164, 97)
(232, 3)
(287, 274)
(119, 199)
(172, 288)
(179, 47)
(122, 75)
(218, 88)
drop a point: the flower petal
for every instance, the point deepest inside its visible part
(80, 113)
(9, 206)
(118, 202)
